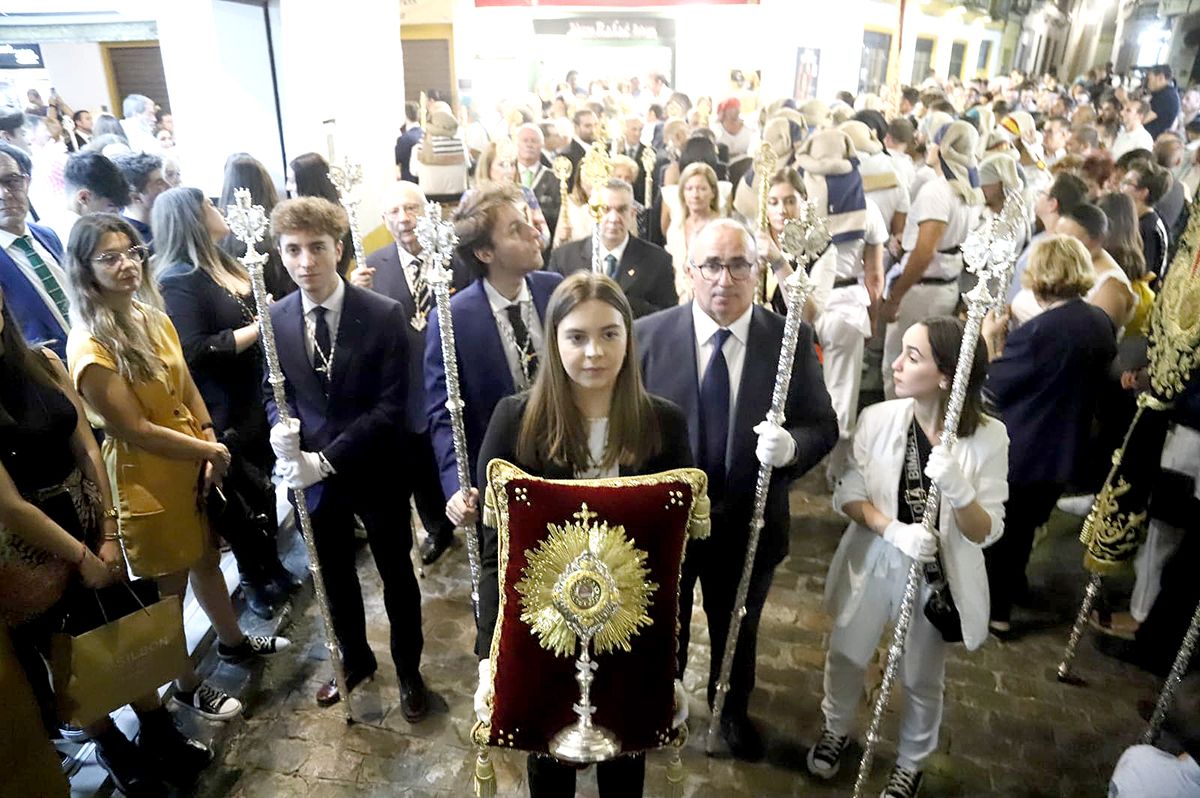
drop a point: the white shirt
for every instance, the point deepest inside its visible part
(849, 253)
(333, 314)
(597, 441)
(735, 349)
(905, 169)
(499, 303)
(1128, 140)
(617, 252)
(7, 240)
(1144, 771)
(890, 200)
(938, 201)
(738, 143)
(410, 266)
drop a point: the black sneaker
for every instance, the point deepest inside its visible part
(252, 646)
(210, 702)
(903, 783)
(124, 764)
(176, 758)
(825, 758)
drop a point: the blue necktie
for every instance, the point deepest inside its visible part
(714, 415)
(610, 260)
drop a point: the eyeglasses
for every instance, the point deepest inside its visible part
(110, 259)
(14, 183)
(738, 268)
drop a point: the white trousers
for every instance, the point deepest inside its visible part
(922, 669)
(922, 301)
(1162, 540)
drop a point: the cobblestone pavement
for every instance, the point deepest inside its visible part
(1009, 729)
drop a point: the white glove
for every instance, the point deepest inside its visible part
(945, 471)
(285, 439)
(912, 539)
(776, 447)
(483, 693)
(681, 705)
(303, 471)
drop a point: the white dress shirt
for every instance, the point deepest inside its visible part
(597, 443)
(735, 349)
(499, 304)
(333, 315)
(7, 240)
(617, 252)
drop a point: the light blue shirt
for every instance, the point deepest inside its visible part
(1144, 771)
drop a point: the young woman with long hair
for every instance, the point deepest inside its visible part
(127, 363)
(308, 176)
(243, 170)
(586, 416)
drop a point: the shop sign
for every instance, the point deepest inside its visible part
(607, 28)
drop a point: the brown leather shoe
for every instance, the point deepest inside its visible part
(414, 699)
(328, 694)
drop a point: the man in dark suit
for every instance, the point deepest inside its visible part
(644, 271)
(31, 274)
(536, 173)
(497, 329)
(716, 358)
(632, 146)
(397, 272)
(344, 355)
(408, 139)
(585, 133)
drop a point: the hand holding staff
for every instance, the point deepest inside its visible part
(249, 223)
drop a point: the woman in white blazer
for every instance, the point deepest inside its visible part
(896, 453)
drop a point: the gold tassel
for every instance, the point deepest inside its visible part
(675, 772)
(485, 775)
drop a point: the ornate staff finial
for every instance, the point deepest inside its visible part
(247, 222)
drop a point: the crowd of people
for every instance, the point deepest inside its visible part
(608, 325)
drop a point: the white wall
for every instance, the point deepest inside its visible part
(77, 71)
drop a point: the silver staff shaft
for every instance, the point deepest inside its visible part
(798, 288)
(1085, 609)
(979, 306)
(1178, 669)
(254, 260)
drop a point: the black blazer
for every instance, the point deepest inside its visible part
(574, 153)
(205, 316)
(645, 272)
(391, 282)
(501, 441)
(1045, 386)
(361, 424)
(666, 342)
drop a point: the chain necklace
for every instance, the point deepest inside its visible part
(325, 366)
(525, 357)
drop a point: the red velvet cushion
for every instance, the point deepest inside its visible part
(534, 690)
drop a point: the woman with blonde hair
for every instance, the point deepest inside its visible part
(160, 447)
(497, 166)
(687, 207)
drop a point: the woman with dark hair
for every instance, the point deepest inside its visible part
(897, 453)
(107, 124)
(127, 363)
(60, 534)
(243, 170)
(586, 416)
(308, 176)
(1124, 243)
(208, 297)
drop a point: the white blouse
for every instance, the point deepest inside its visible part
(597, 440)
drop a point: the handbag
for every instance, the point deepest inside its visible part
(940, 609)
(118, 643)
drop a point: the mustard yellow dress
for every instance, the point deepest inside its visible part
(162, 527)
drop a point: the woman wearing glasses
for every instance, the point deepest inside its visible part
(126, 361)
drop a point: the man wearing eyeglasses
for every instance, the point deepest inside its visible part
(31, 274)
(734, 347)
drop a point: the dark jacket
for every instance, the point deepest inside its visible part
(38, 324)
(404, 147)
(645, 272)
(1044, 387)
(501, 442)
(391, 282)
(666, 342)
(360, 425)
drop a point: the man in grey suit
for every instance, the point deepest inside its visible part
(397, 272)
(643, 270)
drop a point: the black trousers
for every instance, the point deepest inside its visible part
(1159, 636)
(389, 535)
(1027, 508)
(623, 777)
(717, 564)
(426, 486)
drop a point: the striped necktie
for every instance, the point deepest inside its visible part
(49, 282)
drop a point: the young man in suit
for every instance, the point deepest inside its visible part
(643, 270)
(344, 355)
(497, 329)
(31, 274)
(716, 358)
(396, 271)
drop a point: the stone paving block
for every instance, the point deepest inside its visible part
(256, 783)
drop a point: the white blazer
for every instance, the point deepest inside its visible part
(874, 475)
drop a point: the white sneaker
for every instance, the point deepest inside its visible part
(210, 702)
(1077, 505)
(825, 758)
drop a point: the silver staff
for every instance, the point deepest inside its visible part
(1178, 669)
(804, 239)
(345, 177)
(249, 223)
(989, 253)
(438, 240)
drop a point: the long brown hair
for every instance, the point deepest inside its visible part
(553, 429)
(945, 340)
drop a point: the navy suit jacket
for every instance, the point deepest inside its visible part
(1045, 385)
(645, 272)
(666, 343)
(360, 425)
(391, 282)
(483, 374)
(38, 324)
